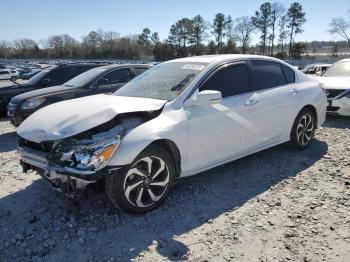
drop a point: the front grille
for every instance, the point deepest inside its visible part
(43, 147)
(332, 93)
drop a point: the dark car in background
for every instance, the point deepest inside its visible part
(100, 80)
(53, 76)
(30, 74)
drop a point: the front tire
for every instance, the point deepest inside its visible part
(303, 129)
(13, 78)
(145, 184)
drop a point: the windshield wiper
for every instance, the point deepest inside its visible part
(69, 85)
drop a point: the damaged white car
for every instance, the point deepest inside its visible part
(336, 81)
(177, 119)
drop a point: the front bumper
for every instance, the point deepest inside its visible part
(65, 179)
(339, 106)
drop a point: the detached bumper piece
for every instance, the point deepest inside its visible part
(64, 179)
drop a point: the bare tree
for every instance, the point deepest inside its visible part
(242, 32)
(261, 20)
(283, 32)
(339, 26)
(277, 12)
(295, 20)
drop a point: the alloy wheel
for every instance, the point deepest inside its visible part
(146, 181)
(305, 129)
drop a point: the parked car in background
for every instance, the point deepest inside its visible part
(105, 79)
(55, 75)
(336, 80)
(8, 74)
(177, 119)
(315, 69)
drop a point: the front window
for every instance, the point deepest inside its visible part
(85, 77)
(164, 81)
(340, 69)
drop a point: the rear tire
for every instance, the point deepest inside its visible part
(13, 78)
(303, 129)
(145, 184)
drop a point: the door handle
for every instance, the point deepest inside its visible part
(251, 102)
(294, 91)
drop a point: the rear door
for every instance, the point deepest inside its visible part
(274, 100)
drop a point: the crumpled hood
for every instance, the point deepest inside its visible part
(335, 82)
(68, 118)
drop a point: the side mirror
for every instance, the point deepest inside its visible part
(208, 97)
(102, 82)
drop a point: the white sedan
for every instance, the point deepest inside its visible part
(8, 74)
(178, 119)
(336, 80)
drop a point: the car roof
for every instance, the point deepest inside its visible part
(217, 58)
(113, 66)
(78, 64)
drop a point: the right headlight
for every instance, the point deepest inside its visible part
(33, 102)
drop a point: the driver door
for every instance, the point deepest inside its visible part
(220, 132)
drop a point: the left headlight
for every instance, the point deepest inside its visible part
(91, 156)
(33, 102)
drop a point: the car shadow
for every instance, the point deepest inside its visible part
(193, 202)
(8, 142)
(335, 121)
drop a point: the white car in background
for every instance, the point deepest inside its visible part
(336, 81)
(315, 69)
(178, 119)
(8, 74)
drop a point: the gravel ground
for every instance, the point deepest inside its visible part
(277, 205)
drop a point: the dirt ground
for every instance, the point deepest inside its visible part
(277, 205)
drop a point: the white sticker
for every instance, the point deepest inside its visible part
(193, 67)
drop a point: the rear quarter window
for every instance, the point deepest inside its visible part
(289, 73)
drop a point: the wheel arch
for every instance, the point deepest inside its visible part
(310, 107)
(172, 149)
(313, 109)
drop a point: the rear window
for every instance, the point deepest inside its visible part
(267, 74)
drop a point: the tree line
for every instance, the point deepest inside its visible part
(274, 24)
